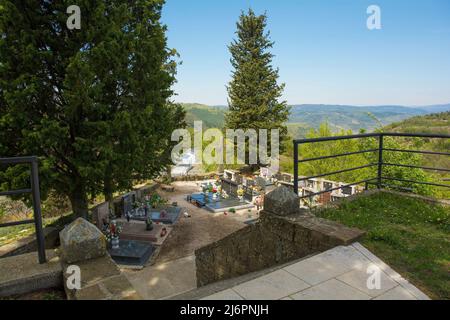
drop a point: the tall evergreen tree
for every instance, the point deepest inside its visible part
(254, 94)
(93, 104)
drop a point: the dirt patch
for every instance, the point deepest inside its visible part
(201, 229)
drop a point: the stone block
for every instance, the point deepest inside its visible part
(282, 201)
(81, 241)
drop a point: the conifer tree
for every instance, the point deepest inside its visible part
(92, 103)
(254, 93)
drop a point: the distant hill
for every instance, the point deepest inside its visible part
(304, 117)
(341, 117)
(438, 123)
(212, 117)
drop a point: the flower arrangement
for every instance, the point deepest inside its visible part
(156, 200)
(113, 230)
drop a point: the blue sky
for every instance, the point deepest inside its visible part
(323, 49)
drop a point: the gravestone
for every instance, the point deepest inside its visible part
(347, 191)
(127, 203)
(250, 183)
(248, 194)
(286, 177)
(282, 201)
(101, 214)
(261, 183)
(81, 241)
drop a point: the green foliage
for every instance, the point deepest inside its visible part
(212, 117)
(328, 148)
(93, 104)
(254, 94)
(438, 123)
(409, 234)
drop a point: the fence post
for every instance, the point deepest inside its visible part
(37, 211)
(296, 167)
(380, 161)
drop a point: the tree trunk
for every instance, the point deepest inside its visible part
(79, 201)
(108, 188)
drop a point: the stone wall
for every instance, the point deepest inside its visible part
(276, 239)
(197, 177)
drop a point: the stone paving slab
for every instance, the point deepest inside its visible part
(338, 274)
(229, 294)
(331, 290)
(274, 286)
(358, 279)
(164, 280)
(391, 273)
(319, 268)
(398, 293)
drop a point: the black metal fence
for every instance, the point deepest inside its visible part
(36, 198)
(380, 179)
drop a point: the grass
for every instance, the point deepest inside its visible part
(411, 235)
(11, 234)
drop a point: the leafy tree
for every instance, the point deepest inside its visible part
(254, 94)
(93, 104)
(353, 145)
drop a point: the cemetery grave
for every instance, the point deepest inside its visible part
(141, 222)
(232, 191)
(132, 253)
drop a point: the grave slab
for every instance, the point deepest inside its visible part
(132, 253)
(170, 216)
(136, 230)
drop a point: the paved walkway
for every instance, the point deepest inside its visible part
(338, 274)
(164, 280)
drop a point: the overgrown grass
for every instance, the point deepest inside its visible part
(11, 234)
(411, 235)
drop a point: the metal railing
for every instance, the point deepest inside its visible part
(36, 199)
(380, 164)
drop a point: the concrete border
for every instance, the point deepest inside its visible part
(23, 274)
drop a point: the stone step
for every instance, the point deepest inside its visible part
(101, 279)
(23, 273)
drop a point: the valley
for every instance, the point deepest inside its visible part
(303, 118)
